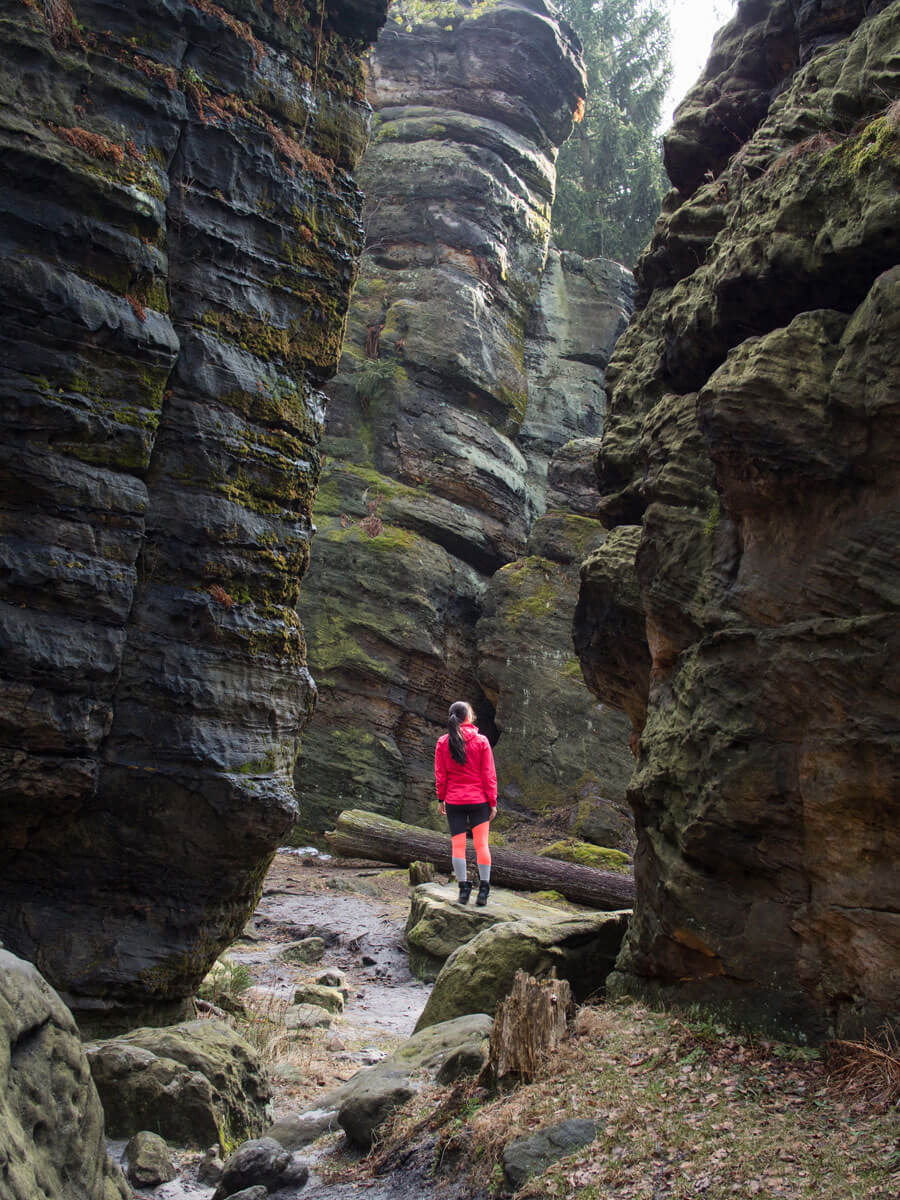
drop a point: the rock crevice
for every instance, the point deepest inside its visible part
(474, 361)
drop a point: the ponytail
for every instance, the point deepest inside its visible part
(460, 712)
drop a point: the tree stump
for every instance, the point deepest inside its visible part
(420, 872)
(529, 1024)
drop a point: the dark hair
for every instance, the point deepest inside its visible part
(460, 712)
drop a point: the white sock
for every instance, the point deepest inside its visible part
(460, 870)
(484, 872)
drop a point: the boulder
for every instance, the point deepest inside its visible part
(51, 1121)
(334, 979)
(477, 976)
(368, 1105)
(194, 1083)
(149, 1162)
(210, 1169)
(437, 924)
(329, 998)
(529, 1156)
(261, 1162)
(307, 950)
(299, 1129)
(307, 1016)
(138, 1088)
(429, 1049)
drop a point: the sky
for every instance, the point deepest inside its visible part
(693, 24)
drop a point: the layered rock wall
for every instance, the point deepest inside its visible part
(744, 608)
(180, 233)
(473, 355)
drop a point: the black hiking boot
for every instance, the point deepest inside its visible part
(465, 891)
(483, 893)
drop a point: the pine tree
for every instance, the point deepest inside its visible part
(610, 180)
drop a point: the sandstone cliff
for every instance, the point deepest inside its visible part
(744, 608)
(473, 355)
(180, 233)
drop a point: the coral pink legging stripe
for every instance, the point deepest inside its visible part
(480, 838)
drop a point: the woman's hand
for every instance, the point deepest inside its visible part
(493, 814)
(442, 808)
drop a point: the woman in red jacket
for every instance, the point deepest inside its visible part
(466, 784)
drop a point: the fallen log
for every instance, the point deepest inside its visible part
(369, 835)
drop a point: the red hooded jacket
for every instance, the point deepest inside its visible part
(471, 782)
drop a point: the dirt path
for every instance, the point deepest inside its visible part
(359, 909)
(361, 914)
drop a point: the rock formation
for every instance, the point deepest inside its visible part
(473, 355)
(51, 1122)
(180, 235)
(743, 610)
(196, 1084)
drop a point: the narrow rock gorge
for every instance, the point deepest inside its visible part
(456, 500)
(180, 234)
(743, 610)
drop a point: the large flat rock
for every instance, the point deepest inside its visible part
(438, 924)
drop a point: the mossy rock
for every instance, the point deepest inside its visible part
(194, 1084)
(438, 924)
(475, 978)
(329, 998)
(587, 855)
(307, 950)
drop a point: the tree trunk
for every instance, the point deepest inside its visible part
(529, 1024)
(368, 835)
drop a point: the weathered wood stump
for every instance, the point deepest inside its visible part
(420, 872)
(531, 1023)
(369, 835)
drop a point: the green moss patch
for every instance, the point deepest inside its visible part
(587, 855)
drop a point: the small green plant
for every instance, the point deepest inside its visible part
(376, 379)
(496, 1180)
(409, 13)
(225, 983)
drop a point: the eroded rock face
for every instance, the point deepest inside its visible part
(473, 355)
(51, 1122)
(176, 269)
(744, 608)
